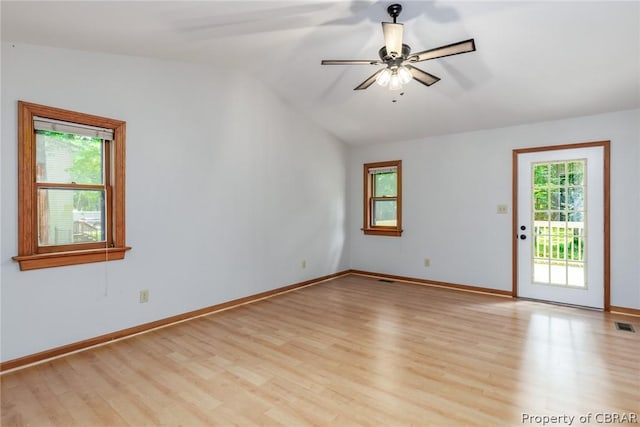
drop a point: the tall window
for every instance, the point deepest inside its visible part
(71, 187)
(383, 198)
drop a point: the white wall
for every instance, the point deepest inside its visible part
(451, 188)
(228, 190)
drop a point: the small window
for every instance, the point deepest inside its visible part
(71, 187)
(383, 198)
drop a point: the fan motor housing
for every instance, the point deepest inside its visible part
(387, 58)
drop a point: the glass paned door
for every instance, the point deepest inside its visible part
(560, 225)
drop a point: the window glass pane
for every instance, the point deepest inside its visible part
(541, 271)
(576, 173)
(540, 174)
(541, 246)
(575, 249)
(384, 213)
(541, 199)
(66, 158)
(557, 198)
(576, 217)
(541, 216)
(557, 173)
(385, 184)
(70, 216)
(576, 199)
(575, 274)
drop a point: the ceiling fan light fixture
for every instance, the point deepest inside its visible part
(395, 82)
(384, 77)
(404, 75)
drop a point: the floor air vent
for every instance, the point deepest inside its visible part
(386, 281)
(624, 327)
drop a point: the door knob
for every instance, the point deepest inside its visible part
(522, 227)
(522, 237)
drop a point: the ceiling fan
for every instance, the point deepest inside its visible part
(398, 57)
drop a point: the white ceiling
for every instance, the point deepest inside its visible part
(535, 61)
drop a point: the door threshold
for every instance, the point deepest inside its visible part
(562, 304)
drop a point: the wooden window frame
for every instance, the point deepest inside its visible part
(30, 254)
(368, 227)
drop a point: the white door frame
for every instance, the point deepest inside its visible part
(606, 145)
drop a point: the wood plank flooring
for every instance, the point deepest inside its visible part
(351, 351)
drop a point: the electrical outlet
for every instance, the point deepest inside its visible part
(427, 262)
(502, 209)
(144, 296)
(303, 264)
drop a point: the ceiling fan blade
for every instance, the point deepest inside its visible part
(393, 38)
(365, 84)
(422, 76)
(351, 62)
(448, 50)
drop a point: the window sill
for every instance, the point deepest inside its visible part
(383, 232)
(58, 259)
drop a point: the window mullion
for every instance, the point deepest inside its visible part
(70, 186)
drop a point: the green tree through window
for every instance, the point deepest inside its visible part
(87, 167)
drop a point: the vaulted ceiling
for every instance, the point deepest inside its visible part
(535, 61)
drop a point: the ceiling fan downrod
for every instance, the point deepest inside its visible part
(394, 11)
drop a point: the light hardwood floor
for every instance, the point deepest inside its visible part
(351, 351)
